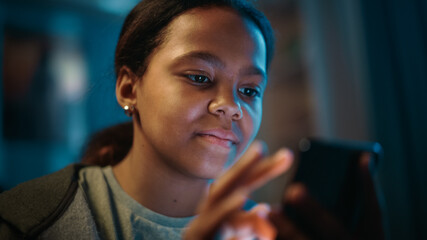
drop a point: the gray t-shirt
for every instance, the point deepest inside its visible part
(118, 216)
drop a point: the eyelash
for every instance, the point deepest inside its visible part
(199, 79)
(196, 78)
(252, 92)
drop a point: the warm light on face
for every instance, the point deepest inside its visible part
(200, 99)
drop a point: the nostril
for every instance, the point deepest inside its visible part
(238, 114)
(220, 111)
(226, 108)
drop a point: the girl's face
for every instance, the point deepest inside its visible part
(200, 99)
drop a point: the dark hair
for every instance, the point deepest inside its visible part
(144, 28)
(109, 146)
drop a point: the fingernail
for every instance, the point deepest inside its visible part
(262, 210)
(256, 146)
(284, 153)
(365, 159)
(296, 193)
(284, 156)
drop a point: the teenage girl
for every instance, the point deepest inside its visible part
(192, 75)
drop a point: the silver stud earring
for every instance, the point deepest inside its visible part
(129, 110)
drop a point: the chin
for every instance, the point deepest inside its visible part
(207, 172)
(206, 164)
(210, 174)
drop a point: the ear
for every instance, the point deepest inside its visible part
(126, 87)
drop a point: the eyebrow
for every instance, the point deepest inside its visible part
(252, 70)
(217, 62)
(205, 56)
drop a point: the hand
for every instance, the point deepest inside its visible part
(320, 224)
(230, 191)
(253, 224)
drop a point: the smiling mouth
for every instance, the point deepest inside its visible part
(217, 140)
(219, 136)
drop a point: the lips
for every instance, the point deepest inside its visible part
(220, 137)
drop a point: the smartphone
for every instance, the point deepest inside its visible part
(329, 170)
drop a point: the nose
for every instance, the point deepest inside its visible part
(226, 104)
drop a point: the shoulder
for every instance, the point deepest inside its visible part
(76, 222)
(33, 206)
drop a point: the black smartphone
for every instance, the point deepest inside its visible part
(329, 170)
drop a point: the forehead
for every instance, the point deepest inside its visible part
(214, 28)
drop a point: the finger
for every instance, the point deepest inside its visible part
(209, 220)
(254, 222)
(255, 176)
(268, 169)
(285, 228)
(230, 179)
(263, 228)
(261, 209)
(370, 223)
(369, 198)
(261, 172)
(311, 217)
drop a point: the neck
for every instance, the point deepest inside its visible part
(156, 186)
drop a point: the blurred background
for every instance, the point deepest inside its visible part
(344, 69)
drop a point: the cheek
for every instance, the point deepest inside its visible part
(176, 109)
(250, 126)
(183, 105)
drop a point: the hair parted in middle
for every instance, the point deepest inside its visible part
(145, 28)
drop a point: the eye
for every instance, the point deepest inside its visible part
(249, 92)
(199, 78)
